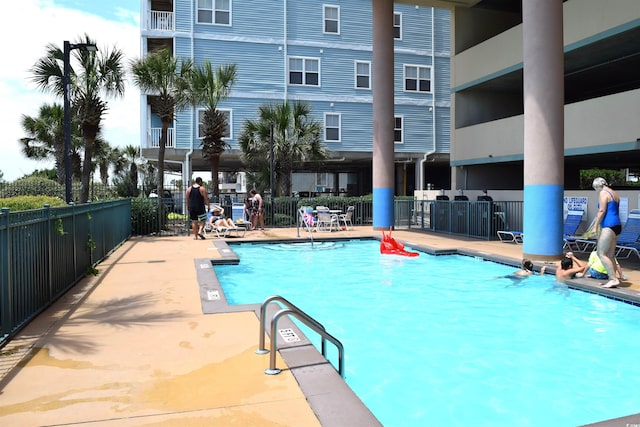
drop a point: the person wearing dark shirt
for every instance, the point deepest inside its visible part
(197, 205)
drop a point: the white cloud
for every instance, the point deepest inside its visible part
(28, 26)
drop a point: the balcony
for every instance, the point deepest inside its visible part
(153, 138)
(160, 21)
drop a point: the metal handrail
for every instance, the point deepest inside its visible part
(304, 318)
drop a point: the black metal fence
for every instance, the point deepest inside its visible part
(477, 219)
(43, 252)
(467, 218)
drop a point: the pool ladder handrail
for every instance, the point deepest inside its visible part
(305, 224)
(293, 310)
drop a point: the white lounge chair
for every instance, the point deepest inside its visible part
(221, 231)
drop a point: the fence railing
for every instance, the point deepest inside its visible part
(477, 219)
(468, 218)
(43, 252)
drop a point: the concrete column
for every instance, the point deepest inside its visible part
(383, 108)
(543, 128)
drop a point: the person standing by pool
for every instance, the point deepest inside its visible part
(257, 210)
(197, 199)
(608, 218)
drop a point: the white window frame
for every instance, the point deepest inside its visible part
(417, 79)
(304, 72)
(338, 128)
(398, 26)
(396, 129)
(215, 9)
(200, 111)
(356, 75)
(325, 20)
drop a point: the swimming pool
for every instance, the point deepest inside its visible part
(448, 340)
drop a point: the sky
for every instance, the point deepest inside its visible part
(27, 27)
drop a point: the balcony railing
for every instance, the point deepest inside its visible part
(153, 138)
(160, 21)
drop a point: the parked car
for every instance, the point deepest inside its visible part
(168, 199)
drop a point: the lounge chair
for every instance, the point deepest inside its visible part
(222, 231)
(239, 217)
(571, 225)
(508, 236)
(628, 238)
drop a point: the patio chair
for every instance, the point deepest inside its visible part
(326, 220)
(345, 218)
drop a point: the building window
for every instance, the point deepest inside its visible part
(331, 19)
(227, 115)
(214, 12)
(332, 127)
(397, 130)
(397, 26)
(304, 71)
(417, 78)
(363, 74)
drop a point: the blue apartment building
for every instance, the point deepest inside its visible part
(319, 53)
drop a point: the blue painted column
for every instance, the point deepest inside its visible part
(383, 109)
(543, 128)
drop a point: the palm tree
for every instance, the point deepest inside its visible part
(97, 74)
(208, 87)
(161, 76)
(107, 157)
(45, 138)
(296, 138)
(131, 155)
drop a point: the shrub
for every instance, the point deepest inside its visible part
(145, 218)
(613, 177)
(35, 186)
(99, 191)
(25, 203)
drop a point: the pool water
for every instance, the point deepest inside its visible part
(449, 340)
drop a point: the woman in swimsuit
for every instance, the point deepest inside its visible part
(608, 217)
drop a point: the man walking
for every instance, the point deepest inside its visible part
(197, 206)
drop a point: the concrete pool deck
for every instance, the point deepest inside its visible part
(132, 346)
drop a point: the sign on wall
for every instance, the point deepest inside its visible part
(575, 204)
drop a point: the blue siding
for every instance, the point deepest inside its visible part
(443, 130)
(260, 66)
(182, 47)
(183, 120)
(443, 31)
(255, 42)
(183, 17)
(416, 27)
(418, 129)
(442, 84)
